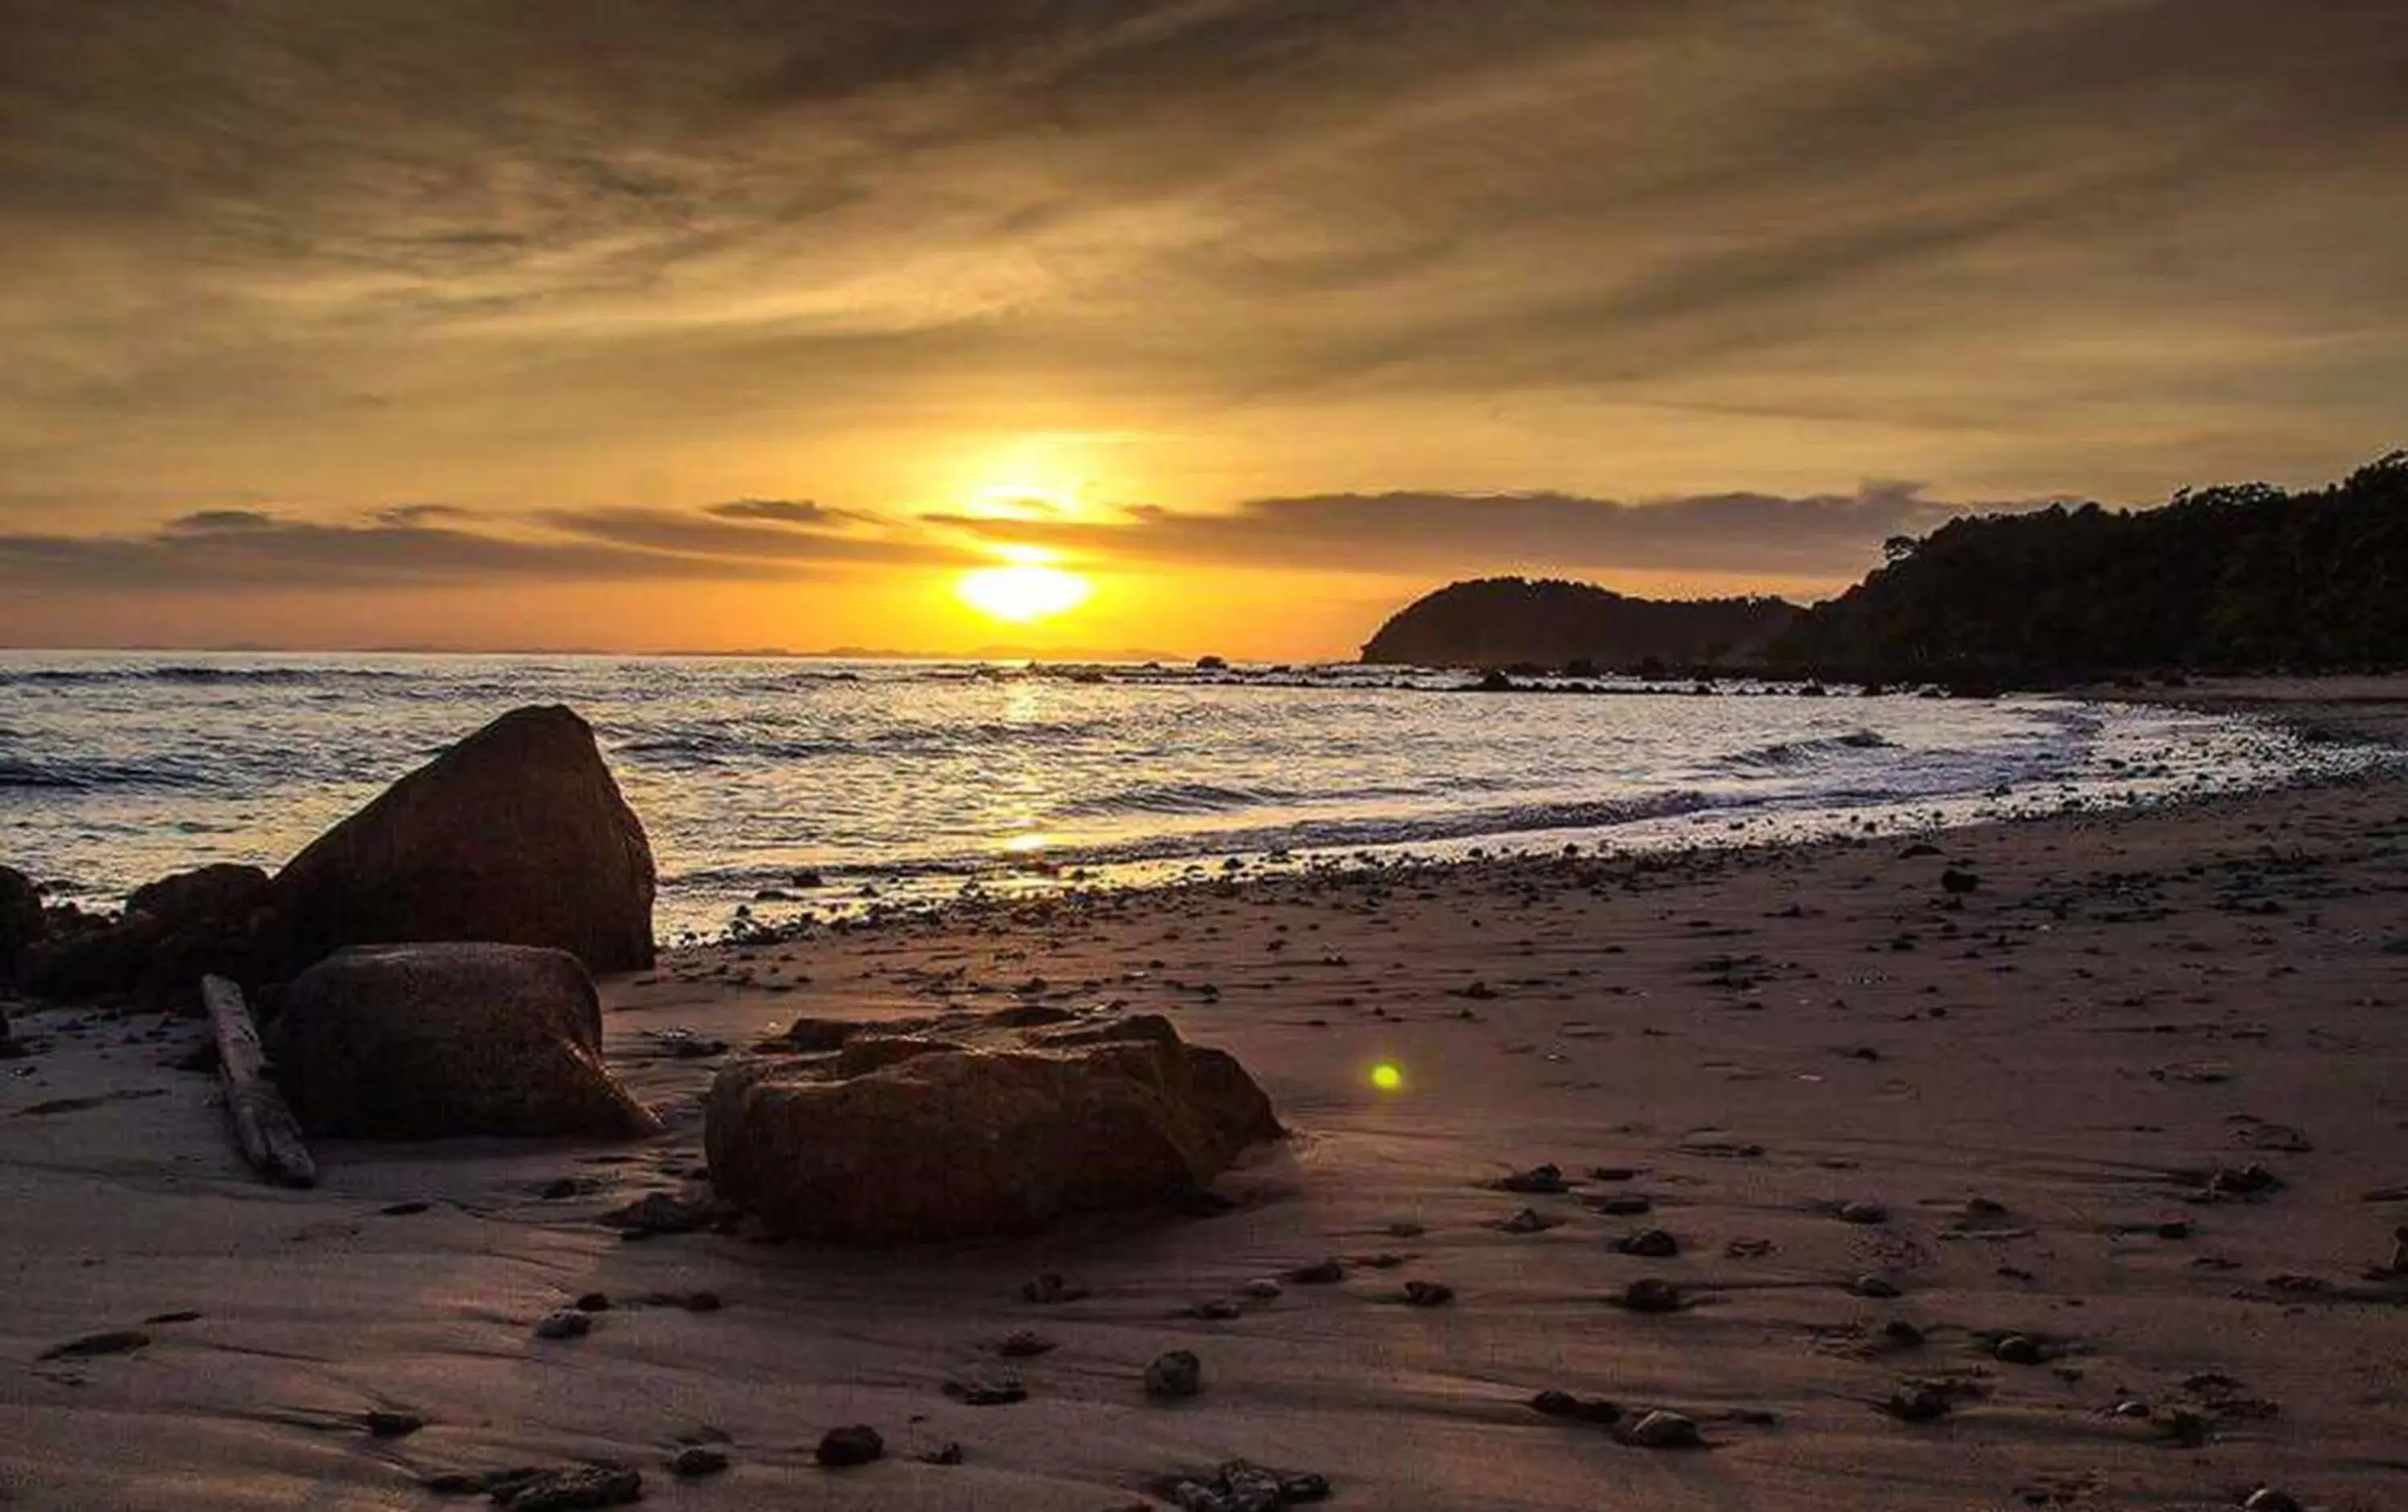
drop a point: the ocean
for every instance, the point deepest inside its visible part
(778, 788)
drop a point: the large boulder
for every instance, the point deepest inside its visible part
(410, 1042)
(957, 1132)
(516, 835)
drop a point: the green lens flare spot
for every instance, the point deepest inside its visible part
(1387, 1078)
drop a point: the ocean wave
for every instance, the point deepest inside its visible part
(1164, 798)
(1785, 754)
(190, 676)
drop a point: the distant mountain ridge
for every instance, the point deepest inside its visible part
(1513, 621)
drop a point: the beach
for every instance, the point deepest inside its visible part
(2117, 1103)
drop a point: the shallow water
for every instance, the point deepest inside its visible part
(905, 781)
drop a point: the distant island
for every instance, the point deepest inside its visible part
(1507, 623)
(2240, 579)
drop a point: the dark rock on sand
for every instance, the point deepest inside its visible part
(22, 922)
(1915, 1402)
(1652, 1244)
(1652, 1294)
(1174, 1375)
(1539, 1181)
(1866, 1213)
(1581, 1409)
(986, 1390)
(435, 1041)
(998, 1132)
(387, 1424)
(2267, 1499)
(1239, 1486)
(1025, 1344)
(858, 1444)
(173, 932)
(517, 834)
(696, 1460)
(1664, 1431)
(1429, 1293)
(657, 1213)
(565, 1323)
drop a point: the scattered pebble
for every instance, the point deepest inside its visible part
(1050, 1288)
(1652, 1294)
(1664, 1431)
(1917, 1402)
(382, 1423)
(1429, 1293)
(1023, 1344)
(987, 1391)
(1174, 1375)
(1261, 1288)
(1653, 1244)
(1878, 1287)
(1584, 1409)
(567, 1324)
(695, 1460)
(858, 1444)
(1863, 1212)
(1320, 1273)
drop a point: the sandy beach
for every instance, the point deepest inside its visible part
(2035, 1064)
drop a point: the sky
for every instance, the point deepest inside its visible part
(646, 325)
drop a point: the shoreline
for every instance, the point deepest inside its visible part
(2036, 1078)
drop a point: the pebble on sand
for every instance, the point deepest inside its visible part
(1651, 1244)
(1664, 1431)
(856, 1444)
(565, 1323)
(1174, 1375)
(1863, 1212)
(695, 1460)
(1652, 1294)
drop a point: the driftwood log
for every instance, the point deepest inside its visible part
(271, 1140)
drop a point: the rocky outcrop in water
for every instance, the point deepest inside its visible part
(517, 834)
(957, 1129)
(434, 1041)
(21, 924)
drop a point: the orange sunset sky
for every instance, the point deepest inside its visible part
(1215, 325)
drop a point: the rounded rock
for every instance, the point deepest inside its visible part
(1174, 1375)
(857, 1444)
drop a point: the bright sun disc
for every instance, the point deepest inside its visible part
(1022, 593)
(1386, 1077)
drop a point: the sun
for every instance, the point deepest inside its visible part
(1022, 593)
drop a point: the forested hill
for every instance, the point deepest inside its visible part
(1512, 622)
(2238, 578)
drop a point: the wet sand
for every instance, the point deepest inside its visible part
(2036, 1079)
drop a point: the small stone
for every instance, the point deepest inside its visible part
(1261, 1288)
(948, 1453)
(2131, 1408)
(1320, 1273)
(592, 1301)
(1429, 1293)
(987, 1391)
(2017, 1349)
(1651, 1294)
(1528, 1221)
(1217, 1310)
(558, 1189)
(2267, 1499)
(1898, 1330)
(1877, 1287)
(1959, 882)
(1665, 1430)
(1917, 1402)
(1023, 1344)
(1565, 1405)
(1653, 1244)
(1174, 1375)
(1863, 1212)
(385, 1425)
(695, 1460)
(858, 1444)
(1622, 1204)
(1539, 1181)
(1050, 1288)
(567, 1324)
(1613, 1173)
(2177, 1229)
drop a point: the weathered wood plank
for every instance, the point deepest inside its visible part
(270, 1138)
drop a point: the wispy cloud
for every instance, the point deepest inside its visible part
(1831, 535)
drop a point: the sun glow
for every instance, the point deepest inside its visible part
(1024, 591)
